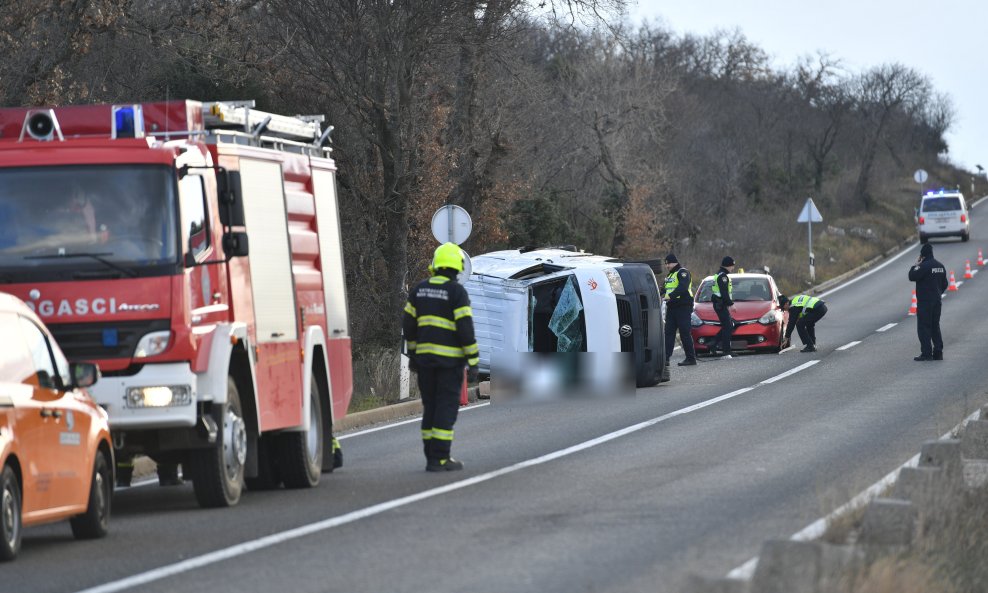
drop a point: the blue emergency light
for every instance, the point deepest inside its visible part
(128, 121)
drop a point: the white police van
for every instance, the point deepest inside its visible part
(943, 213)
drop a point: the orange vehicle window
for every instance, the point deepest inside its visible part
(16, 365)
(37, 344)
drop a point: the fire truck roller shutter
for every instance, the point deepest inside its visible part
(270, 260)
(331, 253)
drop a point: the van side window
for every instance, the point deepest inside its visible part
(16, 365)
(194, 217)
(37, 344)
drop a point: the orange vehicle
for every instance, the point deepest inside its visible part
(55, 447)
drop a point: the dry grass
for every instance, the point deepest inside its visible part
(376, 379)
(900, 575)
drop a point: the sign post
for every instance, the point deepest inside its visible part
(809, 215)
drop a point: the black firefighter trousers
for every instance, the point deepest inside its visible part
(440, 388)
(806, 324)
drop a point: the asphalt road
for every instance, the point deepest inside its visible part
(624, 495)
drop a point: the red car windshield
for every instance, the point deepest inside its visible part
(743, 289)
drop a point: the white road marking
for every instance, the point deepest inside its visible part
(850, 345)
(904, 251)
(959, 284)
(784, 350)
(241, 549)
(790, 372)
(817, 528)
(885, 328)
(392, 425)
(974, 271)
(138, 484)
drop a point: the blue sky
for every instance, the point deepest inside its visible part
(947, 41)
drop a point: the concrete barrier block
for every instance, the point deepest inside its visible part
(945, 454)
(974, 440)
(699, 584)
(923, 486)
(888, 521)
(975, 473)
(787, 566)
(485, 390)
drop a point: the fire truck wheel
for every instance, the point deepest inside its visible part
(218, 473)
(301, 452)
(268, 475)
(95, 522)
(10, 514)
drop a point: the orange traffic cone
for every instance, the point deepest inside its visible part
(953, 283)
(967, 270)
(981, 260)
(912, 305)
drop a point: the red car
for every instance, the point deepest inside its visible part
(758, 317)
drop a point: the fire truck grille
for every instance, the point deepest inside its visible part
(95, 341)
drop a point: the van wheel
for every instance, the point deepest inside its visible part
(95, 522)
(966, 237)
(218, 473)
(923, 238)
(10, 514)
(301, 452)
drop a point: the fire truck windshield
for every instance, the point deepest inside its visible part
(124, 214)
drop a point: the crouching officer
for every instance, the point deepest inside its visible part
(678, 292)
(722, 293)
(438, 328)
(931, 280)
(804, 312)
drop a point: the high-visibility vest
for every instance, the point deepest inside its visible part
(730, 286)
(804, 301)
(672, 282)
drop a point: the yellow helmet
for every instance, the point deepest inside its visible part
(448, 255)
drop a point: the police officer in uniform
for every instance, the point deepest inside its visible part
(930, 277)
(438, 329)
(678, 292)
(723, 290)
(804, 312)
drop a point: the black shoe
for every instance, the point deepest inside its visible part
(810, 348)
(444, 465)
(923, 358)
(689, 362)
(938, 356)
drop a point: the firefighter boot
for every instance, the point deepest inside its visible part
(443, 465)
(337, 454)
(125, 472)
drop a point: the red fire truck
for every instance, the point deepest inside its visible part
(126, 228)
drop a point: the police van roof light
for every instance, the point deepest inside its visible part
(127, 122)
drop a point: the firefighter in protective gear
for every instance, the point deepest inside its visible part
(438, 328)
(722, 293)
(678, 292)
(930, 277)
(804, 312)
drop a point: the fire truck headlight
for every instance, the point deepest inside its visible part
(159, 396)
(152, 344)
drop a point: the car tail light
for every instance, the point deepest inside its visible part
(963, 217)
(922, 219)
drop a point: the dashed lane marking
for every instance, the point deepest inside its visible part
(850, 345)
(274, 539)
(885, 328)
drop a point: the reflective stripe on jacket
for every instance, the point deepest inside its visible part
(438, 324)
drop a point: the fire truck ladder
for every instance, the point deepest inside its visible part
(264, 127)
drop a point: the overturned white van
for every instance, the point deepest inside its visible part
(561, 300)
